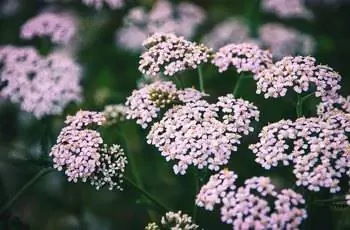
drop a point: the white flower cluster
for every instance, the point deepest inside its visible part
(287, 8)
(115, 113)
(245, 57)
(195, 134)
(111, 168)
(170, 54)
(174, 221)
(284, 41)
(144, 104)
(248, 206)
(317, 148)
(98, 4)
(231, 30)
(60, 27)
(181, 19)
(42, 86)
(80, 152)
(302, 74)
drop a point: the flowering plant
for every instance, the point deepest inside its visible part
(227, 132)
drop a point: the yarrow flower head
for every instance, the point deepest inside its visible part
(195, 134)
(170, 54)
(175, 221)
(98, 4)
(115, 113)
(80, 152)
(284, 41)
(287, 8)
(248, 206)
(245, 57)
(42, 86)
(111, 168)
(317, 148)
(231, 30)
(181, 19)
(60, 27)
(302, 74)
(334, 105)
(145, 104)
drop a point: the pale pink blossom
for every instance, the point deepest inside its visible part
(40, 85)
(61, 28)
(244, 57)
(316, 148)
(255, 205)
(287, 8)
(170, 54)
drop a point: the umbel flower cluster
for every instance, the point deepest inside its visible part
(300, 74)
(98, 4)
(249, 206)
(287, 8)
(169, 54)
(245, 57)
(80, 152)
(202, 134)
(174, 221)
(41, 85)
(145, 104)
(317, 148)
(231, 30)
(181, 19)
(61, 28)
(285, 41)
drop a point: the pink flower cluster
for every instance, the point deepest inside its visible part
(231, 30)
(334, 105)
(287, 8)
(202, 134)
(316, 147)
(181, 19)
(284, 41)
(170, 54)
(245, 57)
(249, 206)
(77, 150)
(301, 74)
(144, 104)
(60, 27)
(80, 152)
(98, 4)
(42, 86)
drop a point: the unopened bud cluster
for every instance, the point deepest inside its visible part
(174, 221)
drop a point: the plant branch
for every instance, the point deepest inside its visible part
(25, 187)
(200, 78)
(147, 195)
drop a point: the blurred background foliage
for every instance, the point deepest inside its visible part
(110, 74)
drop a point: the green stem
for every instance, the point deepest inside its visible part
(252, 12)
(135, 173)
(240, 79)
(303, 99)
(25, 187)
(147, 195)
(196, 181)
(300, 102)
(46, 136)
(200, 78)
(299, 107)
